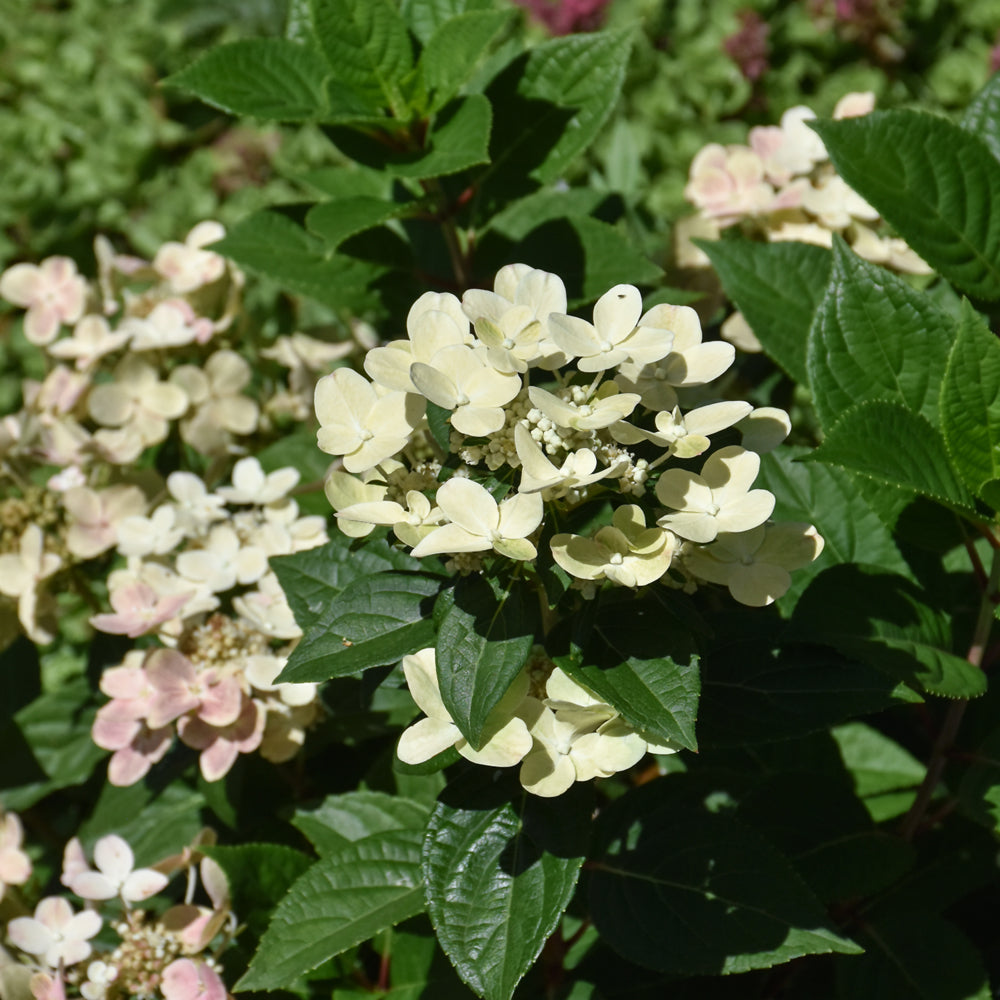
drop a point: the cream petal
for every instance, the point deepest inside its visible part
(547, 774)
(420, 670)
(695, 526)
(426, 739)
(748, 512)
(729, 473)
(520, 515)
(577, 337)
(504, 749)
(617, 312)
(21, 284)
(683, 490)
(439, 388)
(389, 366)
(469, 505)
(758, 585)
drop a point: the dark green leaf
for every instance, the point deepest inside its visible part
(499, 870)
(551, 104)
(275, 247)
(268, 78)
(259, 875)
(528, 213)
(425, 17)
(484, 638)
(47, 745)
(887, 622)
(913, 955)
(979, 791)
(367, 47)
(970, 406)
(875, 337)
(876, 763)
(342, 900)
(375, 620)
(889, 444)
(982, 116)
(777, 287)
(336, 221)
(341, 819)
(682, 890)
(452, 52)
(933, 181)
(313, 578)
(643, 663)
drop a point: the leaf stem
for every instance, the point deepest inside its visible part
(953, 717)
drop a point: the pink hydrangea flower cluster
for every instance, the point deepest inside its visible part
(157, 957)
(782, 186)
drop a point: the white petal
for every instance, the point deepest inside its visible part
(469, 505)
(426, 739)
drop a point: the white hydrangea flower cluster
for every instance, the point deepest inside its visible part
(781, 186)
(563, 410)
(556, 729)
(70, 953)
(144, 363)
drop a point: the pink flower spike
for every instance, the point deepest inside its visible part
(116, 875)
(184, 979)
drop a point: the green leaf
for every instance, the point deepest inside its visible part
(425, 17)
(342, 900)
(610, 259)
(273, 246)
(526, 214)
(875, 337)
(341, 819)
(47, 746)
(156, 823)
(347, 182)
(913, 955)
(551, 104)
(681, 890)
(933, 181)
(367, 46)
(979, 791)
(499, 871)
(982, 116)
(970, 406)
(889, 444)
(777, 287)
(451, 53)
(484, 638)
(375, 620)
(272, 79)
(259, 875)
(643, 663)
(877, 763)
(829, 498)
(336, 221)
(313, 578)
(458, 138)
(887, 622)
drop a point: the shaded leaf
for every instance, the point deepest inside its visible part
(336, 221)
(777, 287)
(352, 816)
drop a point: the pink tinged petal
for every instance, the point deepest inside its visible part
(15, 867)
(114, 734)
(30, 935)
(69, 952)
(54, 912)
(93, 885)
(173, 676)
(184, 979)
(41, 324)
(83, 926)
(114, 857)
(217, 760)
(221, 704)
(142, 884)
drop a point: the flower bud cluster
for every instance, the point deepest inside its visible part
(72, 953)
(548, 411)
(781, 186)
(555, 728)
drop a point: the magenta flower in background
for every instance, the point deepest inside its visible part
(748, 46)
(564, 17)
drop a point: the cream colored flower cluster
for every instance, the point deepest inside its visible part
(781, 186)
(548, 411)
(69, 953)
(556, 729)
